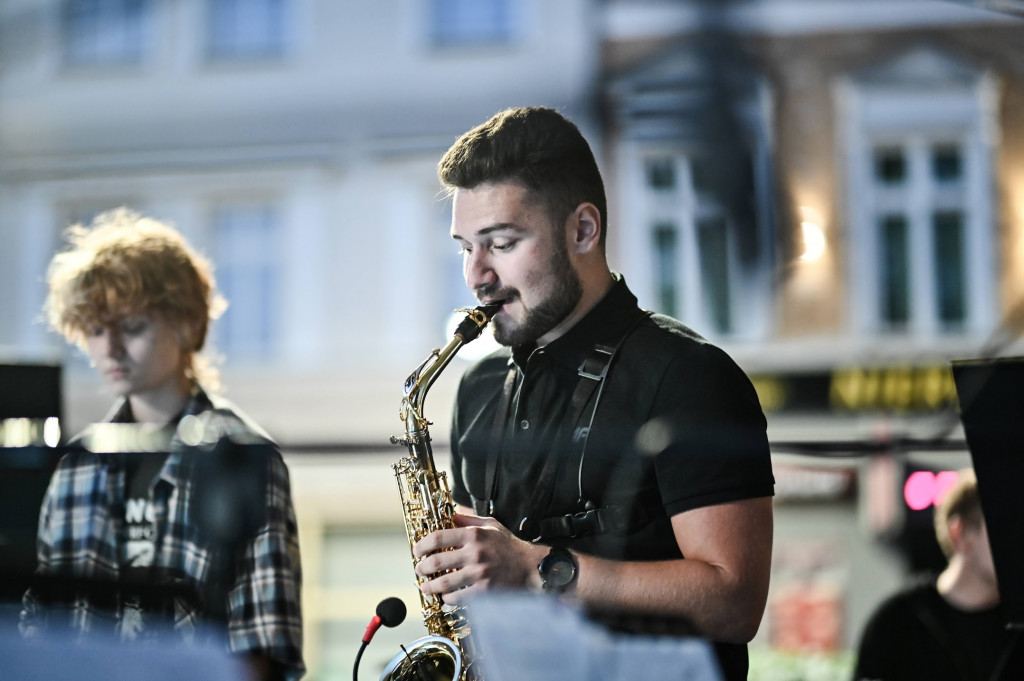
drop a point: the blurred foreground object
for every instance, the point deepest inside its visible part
(522, 636)
(59, 658)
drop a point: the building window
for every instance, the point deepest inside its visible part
(246, 247)
(946, 163)
(893, 267)
(713, 241)
(661, 173)
(666, 258)
(471, 22)
(247, 29)
(890, 166)
(920, 195)
(348, 592)
(920, 206)
(693, 258)
(950, 282)
(104, 32)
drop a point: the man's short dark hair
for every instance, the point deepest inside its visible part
(535, 147)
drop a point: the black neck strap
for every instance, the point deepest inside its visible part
(592, 374)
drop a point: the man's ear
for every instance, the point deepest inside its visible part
(585, 225)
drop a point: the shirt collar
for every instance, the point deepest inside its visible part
(604, 324)
(197, 403)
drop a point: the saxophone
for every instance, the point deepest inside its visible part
(427, 505)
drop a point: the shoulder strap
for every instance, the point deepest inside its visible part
(485, 506)
(592, 374)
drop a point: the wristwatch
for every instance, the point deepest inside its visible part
(557, 570)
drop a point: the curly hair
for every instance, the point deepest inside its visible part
(125, 264)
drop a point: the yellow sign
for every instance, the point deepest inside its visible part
(902, 388)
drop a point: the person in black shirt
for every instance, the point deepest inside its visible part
(951, 629)
(606, 453)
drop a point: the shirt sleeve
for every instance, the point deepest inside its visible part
(708, 433)
(31, 618)
(264, 607)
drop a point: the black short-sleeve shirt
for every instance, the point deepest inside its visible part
(678, 426)
(916, 635)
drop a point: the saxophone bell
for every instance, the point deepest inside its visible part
(432, 657)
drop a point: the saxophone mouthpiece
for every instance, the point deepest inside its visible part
(475, 321)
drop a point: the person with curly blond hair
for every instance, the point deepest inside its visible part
(139, 301)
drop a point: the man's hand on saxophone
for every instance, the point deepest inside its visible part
(478, 554)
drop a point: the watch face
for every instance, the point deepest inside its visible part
(561, 572)
(557, 570)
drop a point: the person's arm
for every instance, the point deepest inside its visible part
(721, 586)
(32, 617)
(264, 606)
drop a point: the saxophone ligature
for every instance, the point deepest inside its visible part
(427, 505)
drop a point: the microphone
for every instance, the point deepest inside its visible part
(390, 613)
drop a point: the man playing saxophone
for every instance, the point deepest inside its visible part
(604, 453)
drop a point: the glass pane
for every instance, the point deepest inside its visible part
(97, 32)
(346, 553)
(245, 238)
(661, 173)
(246, 28)
(714, 270)
(469, 22)
(665, 257)
(890, 165)
(894, 284)
(949, 266)
(699, 174)
(946, 163)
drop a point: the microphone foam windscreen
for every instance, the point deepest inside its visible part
(391, 612)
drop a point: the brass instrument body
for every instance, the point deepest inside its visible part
(427, 507)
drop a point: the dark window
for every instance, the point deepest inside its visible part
(946, 163)
(714, 270)
(950, 273)
(661, 173)
(893, 271)
(890, 165)
(666, 255)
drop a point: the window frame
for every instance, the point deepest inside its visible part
(940, 109)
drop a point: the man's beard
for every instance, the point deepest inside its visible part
(565, 293)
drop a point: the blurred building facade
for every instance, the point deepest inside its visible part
(830, 190)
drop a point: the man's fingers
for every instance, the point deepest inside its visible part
(439, 562)
(463, 520)
(437, 541)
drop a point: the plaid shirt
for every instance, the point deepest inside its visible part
(80, 536)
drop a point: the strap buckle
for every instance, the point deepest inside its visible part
(483, 507)
(595, 366)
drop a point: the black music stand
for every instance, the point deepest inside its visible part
(27, 391)
(30, 391)
(991, 394)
